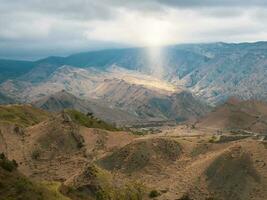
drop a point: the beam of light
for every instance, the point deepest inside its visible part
(155, 58)
(154, 38)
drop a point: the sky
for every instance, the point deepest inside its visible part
(32, 29)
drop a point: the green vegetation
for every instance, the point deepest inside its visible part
(54, 188)
(89, 121)
(213, 139)
(23, 115)
(36, 154)
(185, 197)
(101, 185)
(200, 149)
(7, 164)
(154, 193)
(14, 185)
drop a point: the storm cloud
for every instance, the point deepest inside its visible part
(32, 29)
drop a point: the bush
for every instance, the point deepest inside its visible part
(36, 154)
(185, 197)
(213, 139)
(7, 164)
(89, 120)
(22, 185)
(154, 193)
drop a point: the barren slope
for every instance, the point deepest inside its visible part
(236, 114)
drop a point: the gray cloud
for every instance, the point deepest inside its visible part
(37, 28)
(74, 9)
(156, 4)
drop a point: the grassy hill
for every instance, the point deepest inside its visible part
(89, 121)
(24, 115)
(14, 185)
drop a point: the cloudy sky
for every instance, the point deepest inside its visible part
(31, 29)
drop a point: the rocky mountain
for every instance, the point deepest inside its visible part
(212, 72)
(74, 80)
(231, 70)
(62, 100)
(121, 95)
(154, 103)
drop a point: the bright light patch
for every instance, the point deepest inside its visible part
(156, 62)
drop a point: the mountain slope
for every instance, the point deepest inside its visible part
(64, 100)
(150, 103)
(5, 100)
(231, 70)
(15, 185)
(24, 115)
(122, 96)
(235, 114)
(10, 69)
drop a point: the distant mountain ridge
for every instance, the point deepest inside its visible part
(5, 100)
(212, 72)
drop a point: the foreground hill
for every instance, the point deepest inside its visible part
(237, 115)
(194, 168)
(58, 149)
(81, 157)
(60, 137)
(15, 185)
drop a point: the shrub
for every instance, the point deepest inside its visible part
(185, 197)
(213, 139)
(154, 193)
(7, 164)
(36, 154)
(89, 121)
(22, 185)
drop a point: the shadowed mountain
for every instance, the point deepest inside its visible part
(5, 100)
(64, 100)
(11, 69)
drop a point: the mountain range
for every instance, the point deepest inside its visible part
(199, 75)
